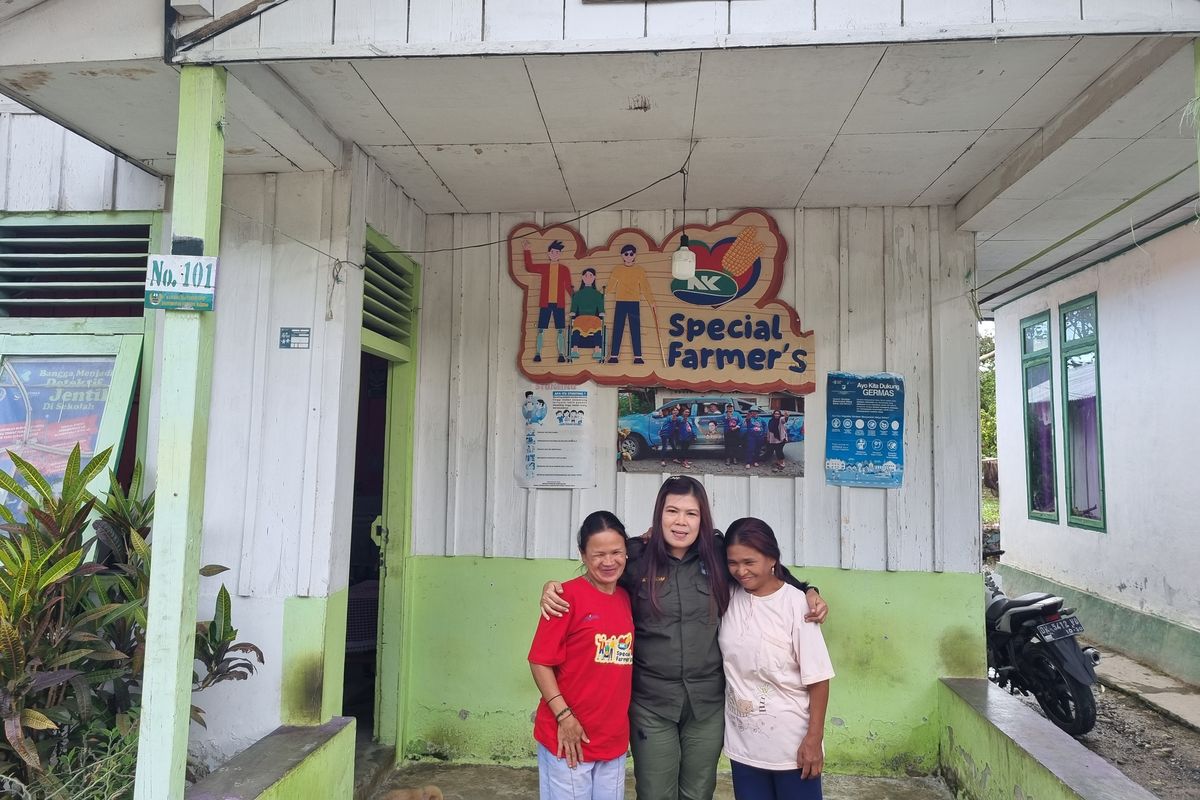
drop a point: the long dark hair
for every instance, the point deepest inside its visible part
(658, 557)
(752, 532)
(598, 522)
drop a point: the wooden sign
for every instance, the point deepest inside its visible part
(614, 313)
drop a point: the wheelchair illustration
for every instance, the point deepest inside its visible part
(593, 334)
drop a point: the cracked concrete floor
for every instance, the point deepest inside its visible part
(481, 782)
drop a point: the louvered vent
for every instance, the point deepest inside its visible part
(389, 291)
(72, 270)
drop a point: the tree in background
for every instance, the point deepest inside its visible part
(987, 395)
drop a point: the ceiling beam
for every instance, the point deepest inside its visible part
(1135, 66)
(270, 108)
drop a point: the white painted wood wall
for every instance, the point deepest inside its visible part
(883, 288)
(1147, 558)
(45, 167)
(279, 482)
(323, 25)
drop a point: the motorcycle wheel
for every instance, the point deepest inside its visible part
(1068, 703)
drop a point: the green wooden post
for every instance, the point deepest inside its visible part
(184, 388)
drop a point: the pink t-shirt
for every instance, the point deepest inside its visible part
(771, 655)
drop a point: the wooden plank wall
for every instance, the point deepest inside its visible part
(882, 288)
(45, 167)
(326, 22)
(281, 450)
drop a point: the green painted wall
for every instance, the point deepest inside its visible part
(982, 763)
(1173, 648)
(326, 773)
(314, 651)
(891, 636)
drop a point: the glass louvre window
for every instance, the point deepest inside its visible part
(1039, 417)
(1081, 414)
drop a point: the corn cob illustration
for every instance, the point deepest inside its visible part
(742, 254)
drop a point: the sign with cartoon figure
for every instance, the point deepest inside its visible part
(556, 448)
(614, 314)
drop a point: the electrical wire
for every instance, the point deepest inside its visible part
(680, 171)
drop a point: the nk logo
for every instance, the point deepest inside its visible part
(721, 275)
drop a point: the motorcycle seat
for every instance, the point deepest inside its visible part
(999, 606)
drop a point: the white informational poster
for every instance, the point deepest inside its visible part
(556, 448)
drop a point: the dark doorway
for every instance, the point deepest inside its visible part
(358, 692)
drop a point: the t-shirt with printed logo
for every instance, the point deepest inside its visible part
(591, 650)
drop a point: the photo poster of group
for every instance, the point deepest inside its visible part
(555, 448)
(710, 433)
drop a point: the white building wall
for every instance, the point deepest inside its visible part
(325, 27)
(1147, 558)
(883, 288)
(45, 167)
(279, 481)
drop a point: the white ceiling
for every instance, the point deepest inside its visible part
(806, 126)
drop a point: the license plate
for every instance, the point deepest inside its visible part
(1060, 629)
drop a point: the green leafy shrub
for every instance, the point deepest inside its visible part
(73, 631)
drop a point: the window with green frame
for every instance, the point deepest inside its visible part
(1080, 352)
(1040, 459)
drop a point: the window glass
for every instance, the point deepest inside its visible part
(1083, 435)
(1037, 336)
(1079, 323)
(1039, 438)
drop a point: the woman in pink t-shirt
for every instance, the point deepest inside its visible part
(777, 673)
(582, 663)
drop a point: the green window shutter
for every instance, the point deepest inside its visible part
(390, 295)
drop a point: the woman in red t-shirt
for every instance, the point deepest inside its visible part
(582, 663)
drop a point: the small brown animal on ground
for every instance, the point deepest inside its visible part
(424, 793)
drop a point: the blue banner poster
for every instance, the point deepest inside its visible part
(48, 404)
(864, 442)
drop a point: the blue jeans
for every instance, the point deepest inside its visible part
(590, 780)
(753, 783)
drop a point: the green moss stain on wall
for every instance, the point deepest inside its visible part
(314, 646)
(891, 636)
(327, 773)
(981, 762)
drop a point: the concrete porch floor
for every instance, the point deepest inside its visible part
(482, 782)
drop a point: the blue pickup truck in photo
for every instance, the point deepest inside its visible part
(708, 411)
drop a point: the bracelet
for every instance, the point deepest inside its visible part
(562, 714)
(552, 699)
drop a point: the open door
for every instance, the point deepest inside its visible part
(380, 539)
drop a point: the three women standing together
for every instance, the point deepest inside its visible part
(765, 696)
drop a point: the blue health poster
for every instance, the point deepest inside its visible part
(864, 440)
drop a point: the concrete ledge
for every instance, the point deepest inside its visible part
(290, 763)
(994, 747)
(1165, 645)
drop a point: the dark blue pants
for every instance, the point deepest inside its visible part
(627, 313)
(752, 783)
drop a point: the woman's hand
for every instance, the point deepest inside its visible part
(810, 757)
(552, 603)
(570, 739)
(817, 608)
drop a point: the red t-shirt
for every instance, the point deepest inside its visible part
(591, 651)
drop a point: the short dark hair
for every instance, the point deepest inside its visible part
(628, 249)
(556, 245)
(529, 394)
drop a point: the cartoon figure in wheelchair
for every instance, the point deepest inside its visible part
(588, 329)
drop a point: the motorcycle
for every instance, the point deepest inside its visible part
(1031, 649)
